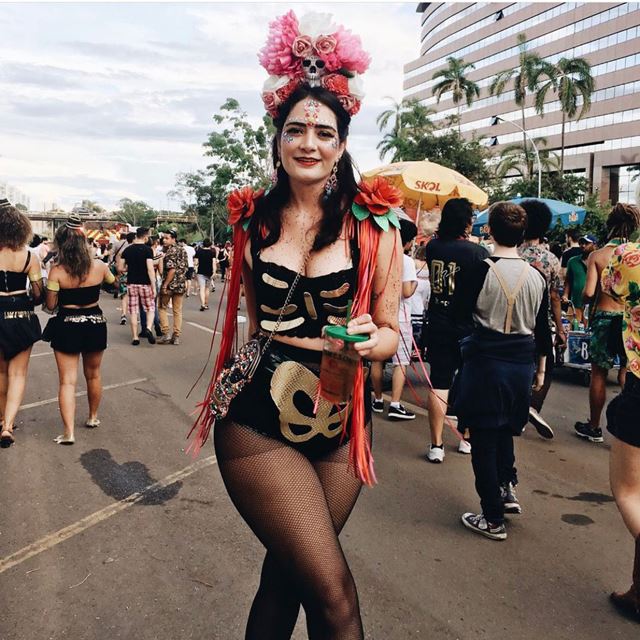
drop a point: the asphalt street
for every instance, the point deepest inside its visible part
(124, 535)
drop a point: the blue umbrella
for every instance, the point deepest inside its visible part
(568, 214)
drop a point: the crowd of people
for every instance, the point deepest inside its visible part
(319, 250)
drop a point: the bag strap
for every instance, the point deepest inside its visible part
(510, 294)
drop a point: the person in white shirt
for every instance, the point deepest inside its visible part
(402, 356)
(191, 252)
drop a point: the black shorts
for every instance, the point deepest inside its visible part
(279, 403)
(77, 331)
(443, 354)
(623, 412)
(190, 272)
(19, 325)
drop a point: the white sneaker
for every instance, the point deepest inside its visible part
(435, 454)
(464, 446)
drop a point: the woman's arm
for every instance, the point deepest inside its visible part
(249, 290)
(34, 273)
(591, 285)
(53, 286)
(382, 323)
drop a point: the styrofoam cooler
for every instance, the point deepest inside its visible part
(577, 351)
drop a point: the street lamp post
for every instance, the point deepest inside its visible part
(497, 119)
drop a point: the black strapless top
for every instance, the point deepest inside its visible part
(315, 302)
(14, 280)
(79, 295)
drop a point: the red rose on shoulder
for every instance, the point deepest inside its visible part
(241, 204)
(378, 196)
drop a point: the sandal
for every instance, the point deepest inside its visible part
(63, 440)
(92, 424)
(6, 439)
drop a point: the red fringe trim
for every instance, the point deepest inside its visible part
(205, 420)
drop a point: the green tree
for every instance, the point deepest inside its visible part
(241, 155)
(571, 79)
(524, 78)
(567, 188)
(90, 205)
(411, 121)
(453, 78)
(513, 159)
(136, 213)
(21, 207)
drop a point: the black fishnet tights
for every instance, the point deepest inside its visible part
(296, 508)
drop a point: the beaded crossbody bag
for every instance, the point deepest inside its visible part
(239, 370)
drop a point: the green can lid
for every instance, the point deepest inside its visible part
(338, 332)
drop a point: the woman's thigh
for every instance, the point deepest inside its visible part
(67, 366)
(279, 494)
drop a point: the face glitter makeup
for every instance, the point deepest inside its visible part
(311, 112)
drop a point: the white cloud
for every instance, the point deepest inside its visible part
(104, 101)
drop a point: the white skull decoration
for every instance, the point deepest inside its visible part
(314, 68)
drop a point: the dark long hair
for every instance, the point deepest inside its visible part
(73, 252)
(623, 221)
(269, 208)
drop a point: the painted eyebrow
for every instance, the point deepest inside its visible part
(304, 124)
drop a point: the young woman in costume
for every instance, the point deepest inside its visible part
(19, 325)
(289, 468)
(80, 326)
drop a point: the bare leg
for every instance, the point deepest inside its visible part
(203, 295)
(16, 383)
(377, 369)
(397, 382)
(597, 394)
(624, 473)
(622, 376)
(4, 385)
(68, 374)
(91, 368)
(436, 406)
(133, 319)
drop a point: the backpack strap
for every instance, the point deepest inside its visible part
(510, 294)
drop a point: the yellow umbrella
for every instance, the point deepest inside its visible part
(427, 185)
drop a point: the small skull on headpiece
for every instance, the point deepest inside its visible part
(314, 69)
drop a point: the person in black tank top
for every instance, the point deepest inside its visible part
(79, 327)
(19, 325)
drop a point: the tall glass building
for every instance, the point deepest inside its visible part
(607, 138)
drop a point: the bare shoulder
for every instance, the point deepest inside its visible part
(248, 258)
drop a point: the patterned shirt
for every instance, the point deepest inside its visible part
(544, 261)
(176, 258)
(621, 280)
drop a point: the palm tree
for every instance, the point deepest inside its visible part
(411, 121)
(455, 80)
(571, 79)
(525, 77)
(513, 158)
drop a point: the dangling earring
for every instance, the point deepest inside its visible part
(274, 175)
(332, 183)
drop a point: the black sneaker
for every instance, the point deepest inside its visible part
(158, 331)
(135, 342)
(149, 336)
(543, 429)
(586, 431)
(509, 499)
(478, 523)
(400, 413)
(377, 406)
(123, 320)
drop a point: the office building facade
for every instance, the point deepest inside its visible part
(605, 142)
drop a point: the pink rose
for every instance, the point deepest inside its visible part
(634, 318)
(269, 101)
(631, 258)
(302, 47)
(634, 367)
(325, 45)
(350, 104)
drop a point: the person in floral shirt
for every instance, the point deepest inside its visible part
(621, 280)
(174, 278)
(532, 250)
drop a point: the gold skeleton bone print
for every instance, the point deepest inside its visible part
(287, 311)
(274, 282)
(311, 307)
(335, 293)
(333, 308)
(285, 325)
(291, 381)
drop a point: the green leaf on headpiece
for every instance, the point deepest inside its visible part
(382, 221)
(360, 212)
(392, 217)
(245, 224)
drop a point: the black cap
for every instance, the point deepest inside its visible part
(173, 233)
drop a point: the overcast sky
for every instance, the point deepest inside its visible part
(105, 101)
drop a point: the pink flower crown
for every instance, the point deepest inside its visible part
(315, 51)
